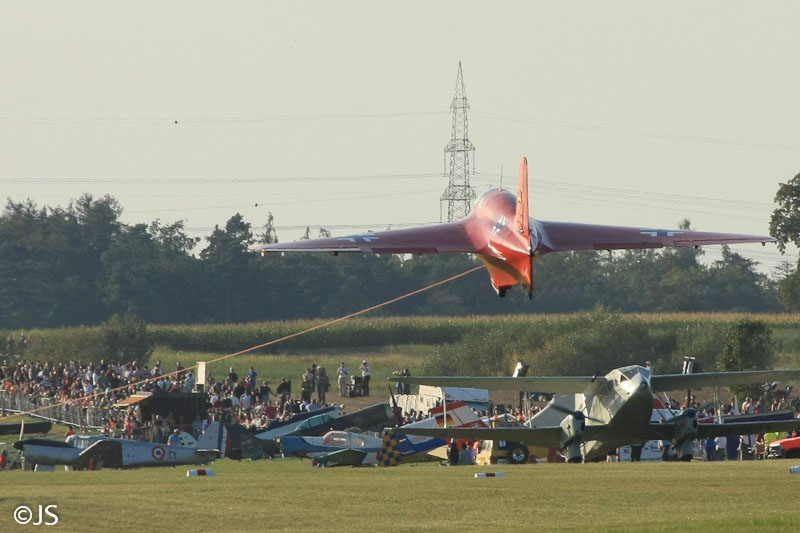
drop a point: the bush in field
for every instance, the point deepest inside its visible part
(600, 342)
(580, 344)
(63, 344)
(702, 340)
(747, 345)
(124, 338)
(481, 352)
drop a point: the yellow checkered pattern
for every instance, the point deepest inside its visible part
(388, 454)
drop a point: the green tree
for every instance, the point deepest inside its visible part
(784, 225)
(747, 345)
(124, 338)
(785, 222)
(230, 270)
(787, 281)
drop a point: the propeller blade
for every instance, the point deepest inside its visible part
(568, 411)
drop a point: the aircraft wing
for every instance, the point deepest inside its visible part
(704, 431)
(13, 428)
(544, 384)
(557, 236)
(669, 382)
(545, 436)
(347, 456)
(450, 237)
(746, 428)
(100, 448)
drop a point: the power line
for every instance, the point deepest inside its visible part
(219, 119)
(290, 202)
(232, 119)
(634, 132)
(227, 180)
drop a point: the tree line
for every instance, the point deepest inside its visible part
(79, 265)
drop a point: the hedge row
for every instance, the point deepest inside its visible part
(517, 332)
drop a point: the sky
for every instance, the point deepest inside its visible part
(336, 114)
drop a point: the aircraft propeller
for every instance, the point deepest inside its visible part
(576, 413)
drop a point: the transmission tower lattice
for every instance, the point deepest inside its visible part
(459, 194)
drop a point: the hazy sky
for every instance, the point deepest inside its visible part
(336, 113)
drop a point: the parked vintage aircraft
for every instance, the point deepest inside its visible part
(339, 448)
(15, 428)
(592, 416)
(332, 441)
(500, 232)
(283, 427)
(95, 452)
(374, 416)
(319, 422)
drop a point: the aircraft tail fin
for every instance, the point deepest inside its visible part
(522, 222)
(522, 225)
(214, 438)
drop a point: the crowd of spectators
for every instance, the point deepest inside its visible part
(86, 384)
(256, 405)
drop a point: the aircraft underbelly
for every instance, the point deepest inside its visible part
(628, 420)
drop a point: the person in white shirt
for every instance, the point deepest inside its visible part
(342, 374)
(721, 443)
(365, 377)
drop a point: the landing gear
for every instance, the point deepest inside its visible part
(518, 454)
(501, 292)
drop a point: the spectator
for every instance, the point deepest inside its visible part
(188, 383)
(284, 390)
(175, 438)
(452, 451)
(365, 377)
(246, 402)
(233, 377)
(720, 443)
(342, 375)
(265, 391)
(401, 374)
(323, 384)
(710, 448)
(465, 457)
(308, 385)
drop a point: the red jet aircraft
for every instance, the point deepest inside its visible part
(500, 232)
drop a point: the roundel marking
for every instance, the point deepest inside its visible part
(158, 453)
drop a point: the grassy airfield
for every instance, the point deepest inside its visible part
(289, 494)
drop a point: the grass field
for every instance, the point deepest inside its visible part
(288, 494)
